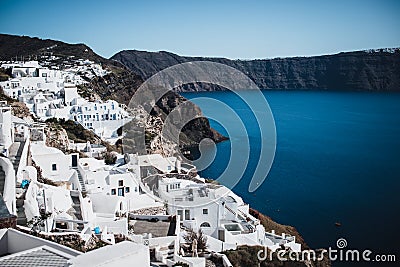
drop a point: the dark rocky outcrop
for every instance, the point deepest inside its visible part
(377, 70)
(28, 48)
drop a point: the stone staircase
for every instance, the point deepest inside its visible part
(239, 216)
(80, 178)
(15, 152)
(21, 216)
(167, 253)
(75, 210)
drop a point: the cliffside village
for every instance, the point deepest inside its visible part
(142, 209)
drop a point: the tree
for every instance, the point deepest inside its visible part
(38, 221)
(110, 158)
(201, 239)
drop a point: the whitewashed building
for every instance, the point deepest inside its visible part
(52, 93)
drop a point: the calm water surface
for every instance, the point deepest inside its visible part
(337, 160)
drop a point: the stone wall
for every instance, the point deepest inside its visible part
(8, 222)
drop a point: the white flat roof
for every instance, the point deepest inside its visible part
(104, 203)
(19, 120)
(144, 201)
(151, 159)
(92, 163)
(40, 149)
(108, 254)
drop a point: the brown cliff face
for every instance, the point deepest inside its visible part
(377, 70)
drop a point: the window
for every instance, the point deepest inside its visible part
(121, 192)
(54, 167)
(205, 224)
(135, 189)
(61, 225)
(113, 192)
(120, 183)
(127, 189)
(187, 214)
(180, 214)
(205, 211)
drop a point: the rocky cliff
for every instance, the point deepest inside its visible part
(377, 70)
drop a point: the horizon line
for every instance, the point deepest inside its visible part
(214, 56)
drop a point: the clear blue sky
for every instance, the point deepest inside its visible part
(233, 29)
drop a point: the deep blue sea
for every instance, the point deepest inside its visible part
(337, 160)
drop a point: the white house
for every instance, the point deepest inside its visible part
(90, 150)
(104, 118)
(119, 184)
(215, 209)
(70, 94)
(50, 93)
(55, 165)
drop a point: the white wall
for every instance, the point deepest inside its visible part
(6, 135)
(213, 244)
(9, 185)
(196, 212)
(191, 261)
(45, 157)
(87, 209)
(119, 226)
(18, 241)
(128, 182)
(31, 205)
(122, 254)
(70, 93)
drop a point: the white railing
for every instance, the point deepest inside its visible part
(23, 159)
